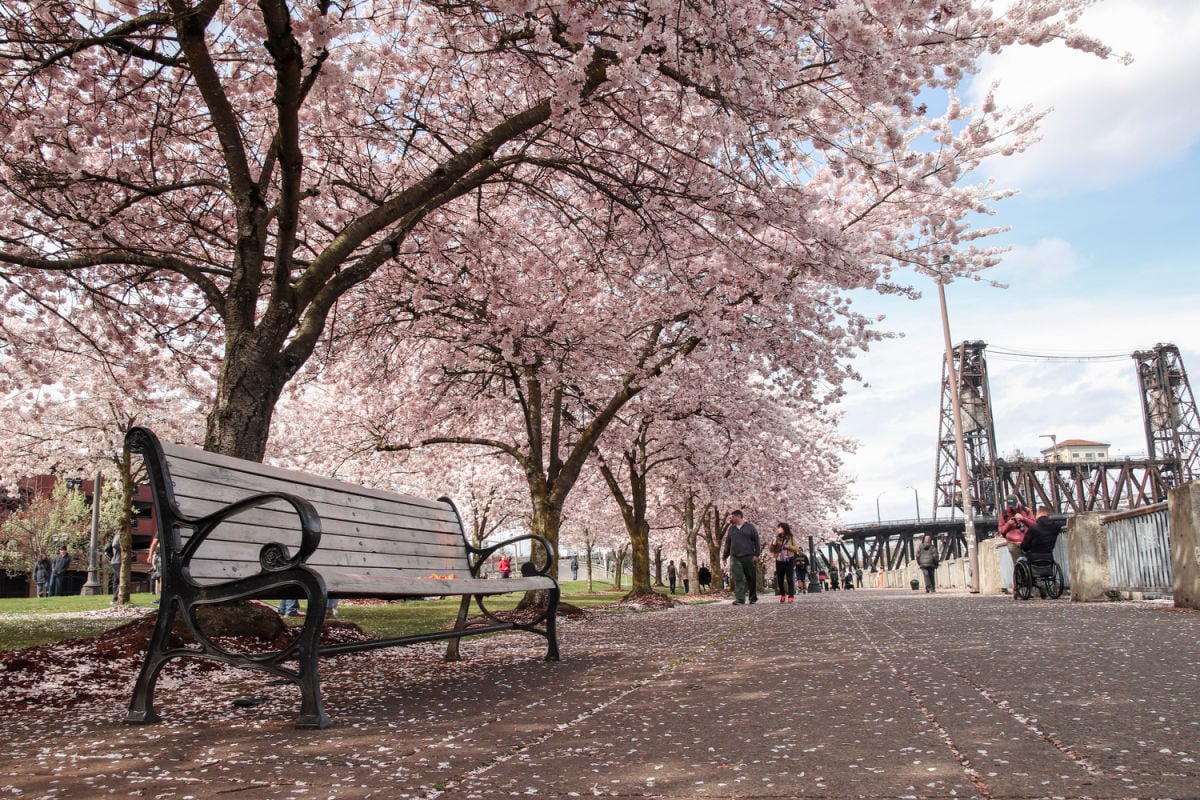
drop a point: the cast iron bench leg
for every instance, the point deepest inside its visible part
(141, 705)
(312, 711)
(459, 623)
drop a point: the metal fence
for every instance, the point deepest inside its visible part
(1139, 550)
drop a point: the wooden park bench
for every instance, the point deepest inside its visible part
(230, 529)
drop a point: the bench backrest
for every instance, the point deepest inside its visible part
(366, 534)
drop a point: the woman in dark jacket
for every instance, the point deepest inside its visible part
(927, 560)
(41, 576)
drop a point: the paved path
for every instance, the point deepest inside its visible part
(870, 693)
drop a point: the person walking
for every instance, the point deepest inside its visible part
(683, 577)
(742, 548)
(802, 572)
(574, 568)
(505, 565)
(858, 577)
(671, 575)
(927, 560)
(784, 549)
(41, 575)
(58, 573)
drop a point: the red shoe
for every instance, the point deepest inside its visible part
(782, 599)
(791, 599)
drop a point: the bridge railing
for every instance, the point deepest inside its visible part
(1139, 550)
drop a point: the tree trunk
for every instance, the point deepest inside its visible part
(252, 379)
(546, 521)
(711, 528)
(126, 473)
(639, 539)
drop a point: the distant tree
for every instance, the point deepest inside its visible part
(43, 524)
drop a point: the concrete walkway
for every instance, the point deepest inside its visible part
(870, 693)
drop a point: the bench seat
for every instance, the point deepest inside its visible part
(231, 529)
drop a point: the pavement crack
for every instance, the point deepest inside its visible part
(973, 775)
(555, 730)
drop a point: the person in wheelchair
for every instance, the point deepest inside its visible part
(1039, 541)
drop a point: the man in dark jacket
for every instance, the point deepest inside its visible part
(927, 560)
(1043, 534)
(58, 573)
(742, 547)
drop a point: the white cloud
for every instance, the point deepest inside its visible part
(1110, 121)
(1046, 262)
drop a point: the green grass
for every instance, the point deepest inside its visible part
(26, 622)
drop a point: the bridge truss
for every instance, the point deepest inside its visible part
(1172, 425)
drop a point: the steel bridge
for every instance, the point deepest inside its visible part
(1172, 426)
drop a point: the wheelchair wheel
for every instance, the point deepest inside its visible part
(1054, 583)
(1022, 581)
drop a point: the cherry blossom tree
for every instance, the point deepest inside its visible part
(226, 178)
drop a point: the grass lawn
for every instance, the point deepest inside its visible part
(25, 622)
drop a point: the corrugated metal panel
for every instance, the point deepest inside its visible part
(1139, 552)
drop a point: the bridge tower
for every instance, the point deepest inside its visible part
(979, 433)
(1169, 411)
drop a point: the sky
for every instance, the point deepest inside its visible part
(1105, 245)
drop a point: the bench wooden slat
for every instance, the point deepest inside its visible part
(372, 543)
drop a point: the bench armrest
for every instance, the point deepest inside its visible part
(483, 554)
(274, 556)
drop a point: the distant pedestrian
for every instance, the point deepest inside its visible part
(848, 579)
(671, 575)
(704, 578)
(784, 549)
(683, 577)
(802, 572)
(58, 573)
(823, 578)
(927, 560)
(112, 552)
(742, 548)
(574, 568)
(41, 575)
(505, 565)
(835, 578)
(858, 576)
(155, 566)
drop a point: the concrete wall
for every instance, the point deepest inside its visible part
(1087, 553)
(1184, 508)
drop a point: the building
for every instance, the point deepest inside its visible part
(1076, 450)
(142, 528)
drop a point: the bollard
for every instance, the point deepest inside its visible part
(915, 584)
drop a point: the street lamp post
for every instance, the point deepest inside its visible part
(916, 502)
(1054, 495)
(878, 516)
(92, 586)
(1053, 444)
(963, 478)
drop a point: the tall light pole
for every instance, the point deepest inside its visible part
(878, 516)
(1053, 444)
(963, 478)
(916, 502)
(92, 585)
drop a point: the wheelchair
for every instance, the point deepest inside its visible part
(1037, 570)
